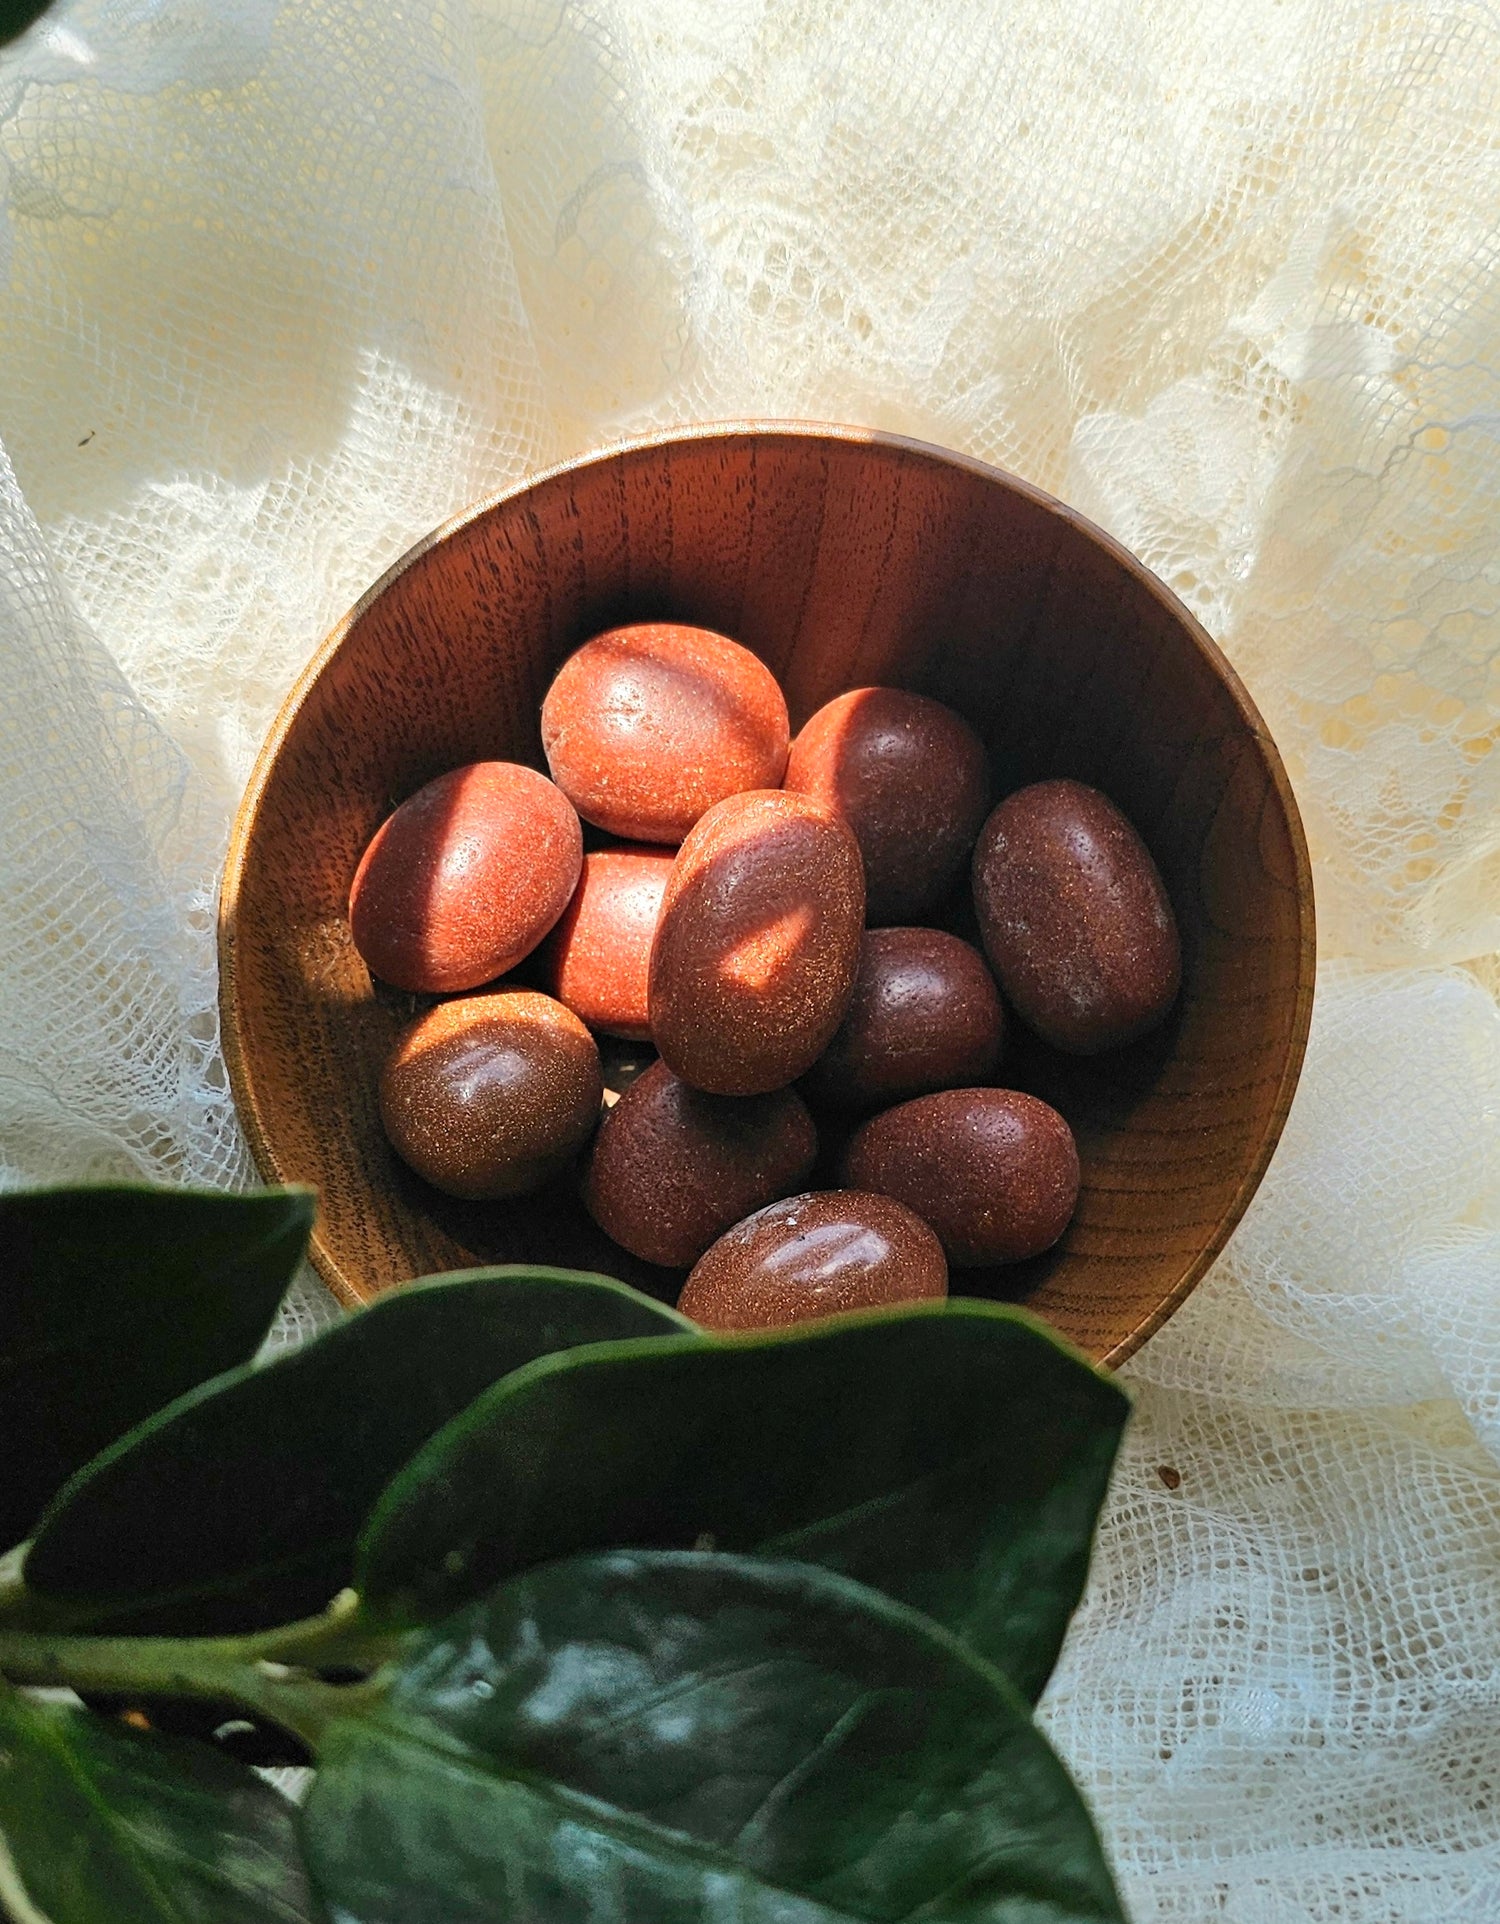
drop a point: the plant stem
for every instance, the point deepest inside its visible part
(341, 1634)
(258, 1671)
(14, 1596)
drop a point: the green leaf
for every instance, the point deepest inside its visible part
(100, 1824)
(952, 1454)
(115, 1299)
(697, 1739)
(239, 1505)
(17, 15)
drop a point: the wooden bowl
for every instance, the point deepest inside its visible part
(842, 557)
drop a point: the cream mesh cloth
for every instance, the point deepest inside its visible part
(283, 286)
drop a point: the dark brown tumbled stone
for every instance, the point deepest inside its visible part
(994, 1172)
(925, 1014)
(757, 945)
(911, 778)
(673, 1168)
(492, 1094)
(1075, 918)
(815, 1255)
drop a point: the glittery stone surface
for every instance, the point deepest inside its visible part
(911, 779)
(490, 1095)
(815, 1255)
(925, 1015)
(645, 727)
(673, 1168)
(598, 959)
(1075, 918)
(465, 878)
(758, 943)
(994, 1172)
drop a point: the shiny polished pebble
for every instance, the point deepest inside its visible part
(911, 778)
(925, 1014)
(993, 1171)
(815, 1255)
(648, 726)
(465, 878)
(758, 943)
(490, 1095)
(673, 1168)
(598, 958)
(1075, 918)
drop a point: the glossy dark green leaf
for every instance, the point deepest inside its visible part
(239, 1505)
(953, 1455)
(114, 1300)
(697, 1739)
(100, 1824)
(17, 15)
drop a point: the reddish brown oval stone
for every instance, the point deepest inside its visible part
(465, 878)
(672, 1167)
(925, 1014)
(599, 956)
(490, 1095)
(815, 1255)
(758, 943)
(1075, 918)
(993, 1171)
(646, 727)
(911, 778)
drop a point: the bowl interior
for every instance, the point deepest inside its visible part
(842, 558)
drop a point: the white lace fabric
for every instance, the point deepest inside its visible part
(284, 285)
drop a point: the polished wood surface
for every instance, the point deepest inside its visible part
(842, 557)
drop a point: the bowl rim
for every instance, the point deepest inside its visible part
(232, 1041)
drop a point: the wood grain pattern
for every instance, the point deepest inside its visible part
(842, 557)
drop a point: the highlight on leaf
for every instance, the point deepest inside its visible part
(649, 1735)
